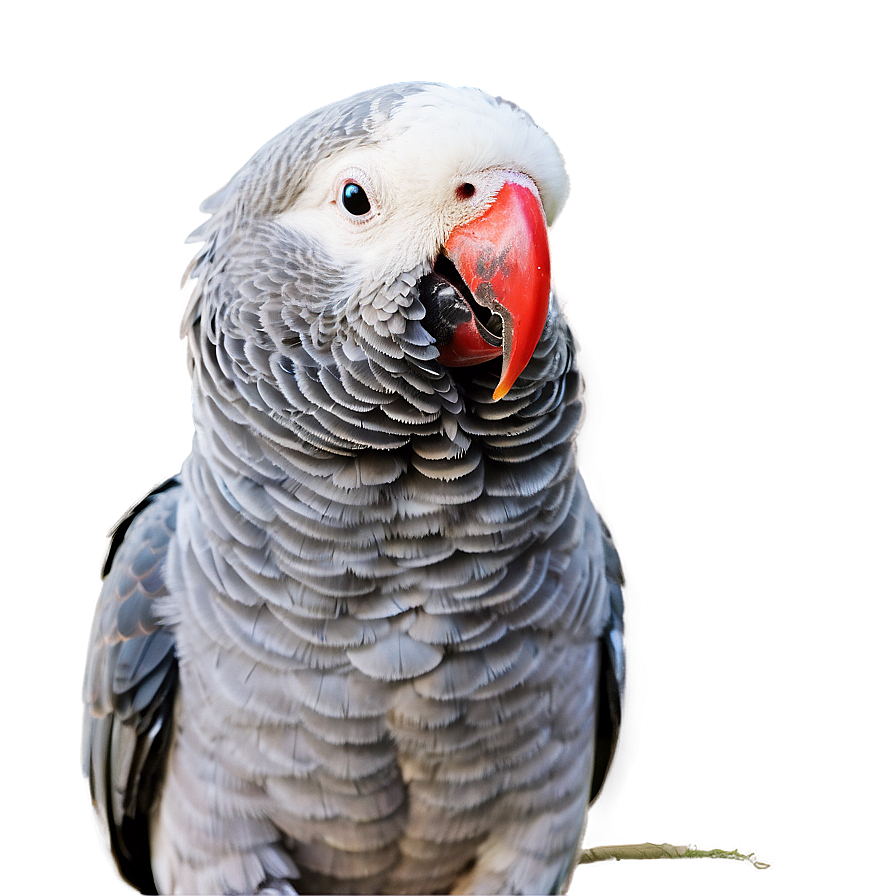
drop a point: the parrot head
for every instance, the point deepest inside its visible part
(407, 223)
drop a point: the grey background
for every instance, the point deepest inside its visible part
(727, 258)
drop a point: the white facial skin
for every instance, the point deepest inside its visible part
(416, 181)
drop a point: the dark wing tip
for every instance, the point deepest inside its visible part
(609, 718)
(611, 678)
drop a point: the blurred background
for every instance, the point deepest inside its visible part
(727, 260)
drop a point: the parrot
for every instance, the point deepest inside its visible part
(369, 639)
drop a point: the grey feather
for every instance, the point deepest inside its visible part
(130, 683)
(369, 639)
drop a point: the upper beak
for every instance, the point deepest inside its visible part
(504, 261)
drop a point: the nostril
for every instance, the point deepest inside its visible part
(466, 191)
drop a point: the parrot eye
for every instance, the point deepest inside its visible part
(354, 200)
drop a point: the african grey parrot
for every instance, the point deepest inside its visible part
(370, 638)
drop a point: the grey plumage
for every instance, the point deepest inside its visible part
(395, 613)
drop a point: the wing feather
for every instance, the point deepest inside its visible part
(130, 683)
(611, 669)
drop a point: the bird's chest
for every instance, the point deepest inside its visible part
(354, 676)
(339, 610)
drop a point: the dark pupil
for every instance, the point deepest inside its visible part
(355, 200)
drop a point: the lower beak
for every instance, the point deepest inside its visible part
(504, 261)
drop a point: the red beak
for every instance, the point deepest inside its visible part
(503, 258)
